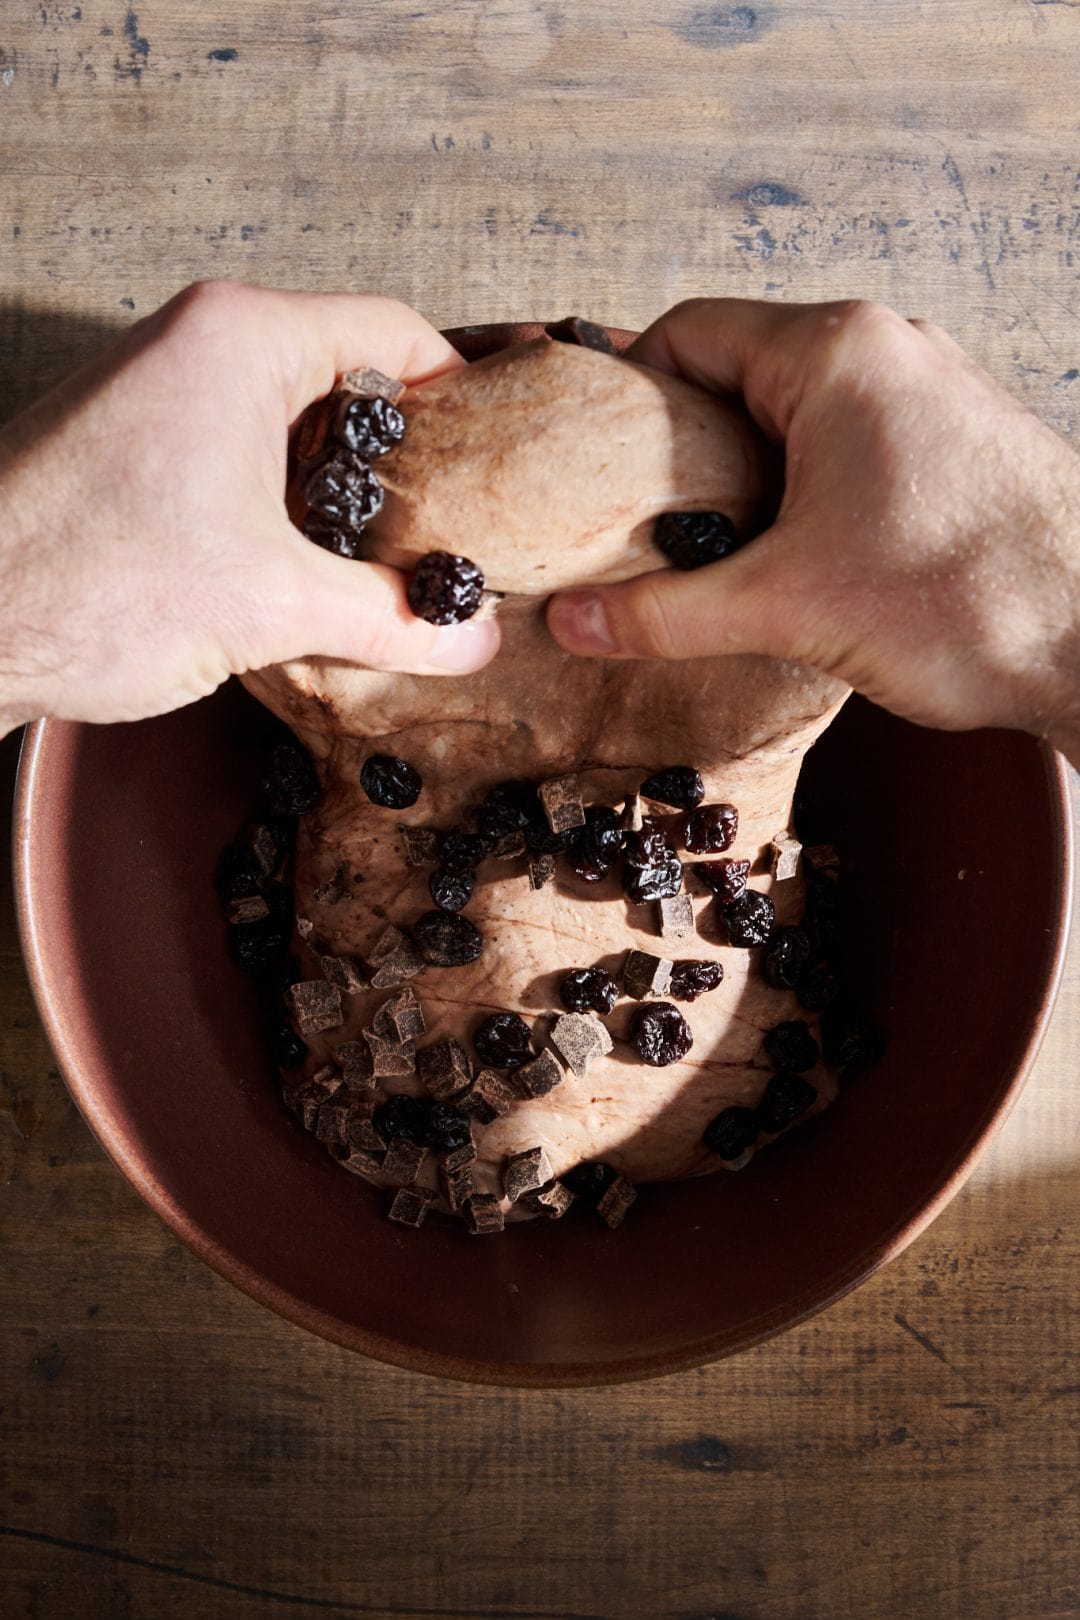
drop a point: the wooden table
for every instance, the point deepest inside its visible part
(168, 1448)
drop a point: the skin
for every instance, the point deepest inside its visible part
(927, 550)
(145, 550)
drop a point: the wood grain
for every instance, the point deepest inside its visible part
(166, 1447)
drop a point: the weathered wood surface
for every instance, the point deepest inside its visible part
(166, 1447)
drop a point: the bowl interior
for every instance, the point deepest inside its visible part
(959, 848)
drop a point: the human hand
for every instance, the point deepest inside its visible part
(145, 550)
(927, 549)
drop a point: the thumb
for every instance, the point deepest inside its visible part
(743, 604)
(333, 607)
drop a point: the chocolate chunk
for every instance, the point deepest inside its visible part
(344, 973)
(388, 1059)
(676, 917)
(483, 1214)
(541, 870)
(644, 975)
(403, 1160)
(357, 1162)
(616, 1201)
(361, 1134)
(356, 1065)
(586, 334)
(400, 1018)
(509, 846)
(393, 959)
(368, 383)
(526, 1172)
(457, 1187)
(553, 1199)
(458, 1158)
(332, 1122)
(444, 1068)
(315, 1005)
(421, 845)
(335, 889)
(489, 1097)
(633, 817)
(784, 852)
(305, 1099)
(263, 846)
(410, 1205)
(248, 908)
(579, 1041)
(538, 1078)
(822, 857)
(561, 799)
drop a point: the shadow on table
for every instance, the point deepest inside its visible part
(38, 347)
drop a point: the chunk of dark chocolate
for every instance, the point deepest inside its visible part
(335, 889)
(360, 1133)
(356, 1161)
(580, 1041)
(444, 1068)
(539, 1078)
(483, 1214)
(400, 1018)
(388, 1059)
(247, 908)
(456, 1186)
(561, 799)
(676, 917)
(332, 1122)
(421, 845)
(356, 1065)
(488, 1098)
(410, 1205)
(784, 852)
(616, 1201)
(552, 1200)
(403, 1160)
(315, 1005)
(305, 1099)
(586, 334)
(368, 383)
(393, 959)
(344, 973)
(526, 1172)
(645, 976)
(541, 870)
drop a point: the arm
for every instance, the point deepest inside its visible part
(145, 550)
(927, 549)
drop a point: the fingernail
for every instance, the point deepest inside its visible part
(461, 648)
(581, 621)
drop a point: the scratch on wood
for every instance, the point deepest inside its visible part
(920, 1338)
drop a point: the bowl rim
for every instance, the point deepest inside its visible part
(123, 1150)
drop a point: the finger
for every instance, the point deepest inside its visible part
(330, 607)
(733, 606)
(324, 334)
(768, 353)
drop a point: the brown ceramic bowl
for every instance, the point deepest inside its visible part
(961, 853)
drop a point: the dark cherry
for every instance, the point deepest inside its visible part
(732, 1132)
(786, 955)
(660, 1034)
(749, 920)
(504, 1041)
(403, 1116)
(790, 1046)
(447, 940)
(678, 785)
(451, 890)
(694, 539)
(588, 990)
(711, 828)
(445, 589)
(691, 979)
(389, 782)
(786, 1097)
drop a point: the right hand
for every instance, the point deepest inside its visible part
(927, 549)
